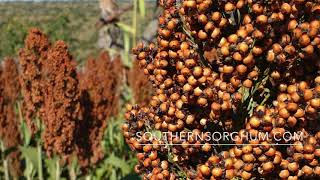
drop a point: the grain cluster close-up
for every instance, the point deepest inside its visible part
(160, 90)
(245, 66)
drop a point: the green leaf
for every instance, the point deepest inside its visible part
(40, 127)
(111, 135)
(113, 175)
(246, 93)
(29, 171)
(100, 172)
(26, 133)
(126, 54)
(170, 158)
(142, 8)
(127, 93)
(51, 166)
(118, 163)
(74, 163)
(126, 28)
(30, 153)
(73, 168)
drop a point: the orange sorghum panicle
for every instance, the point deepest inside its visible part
(31, 59)
(100, 87)
(9, 122)
(61, 98)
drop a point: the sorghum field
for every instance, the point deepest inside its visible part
(225, 90)
(62, 97)
(59, 20)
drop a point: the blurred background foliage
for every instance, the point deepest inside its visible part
(74, 22)
(71, 22)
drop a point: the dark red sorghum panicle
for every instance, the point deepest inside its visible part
(61, 100)
(9, 124)
(31, 59)
(100, 83)
(101, 78)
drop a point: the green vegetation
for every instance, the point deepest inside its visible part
(71, 22)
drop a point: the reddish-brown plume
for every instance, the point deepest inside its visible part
(142, 88)
(100, 83)
(31, 59)
(61, 99)
(9, 124)
(101, 78)
(74, 113)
